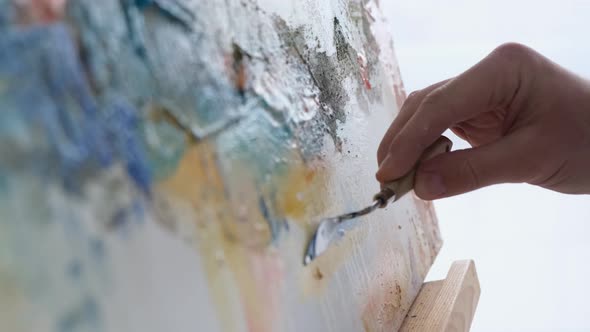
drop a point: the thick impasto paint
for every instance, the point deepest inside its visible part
(164, 163)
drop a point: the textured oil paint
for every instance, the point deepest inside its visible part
(164, 163)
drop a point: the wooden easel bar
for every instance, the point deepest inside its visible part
(446, 305)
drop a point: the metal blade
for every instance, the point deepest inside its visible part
(331, 230)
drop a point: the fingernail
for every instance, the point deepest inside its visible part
(432, 184)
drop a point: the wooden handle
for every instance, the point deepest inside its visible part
(403, 185)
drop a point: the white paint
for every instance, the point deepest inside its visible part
(157, 285)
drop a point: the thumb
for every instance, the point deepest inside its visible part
(462, 171)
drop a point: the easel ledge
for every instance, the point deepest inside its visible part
(446, 305)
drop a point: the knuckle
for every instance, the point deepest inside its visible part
(413, 99)
(436, 106)
(514, 66)
(414, 95)
(512, 52)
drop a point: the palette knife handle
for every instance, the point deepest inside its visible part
(398, 188)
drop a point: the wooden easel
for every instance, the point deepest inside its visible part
(446, 305)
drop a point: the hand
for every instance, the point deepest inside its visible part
(526, 118)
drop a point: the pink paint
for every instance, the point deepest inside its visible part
(40, 11)
(362, 61)
(268, 273)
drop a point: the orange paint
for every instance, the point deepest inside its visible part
(294, 193)
(241, 78)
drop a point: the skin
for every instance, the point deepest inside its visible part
(526, 118)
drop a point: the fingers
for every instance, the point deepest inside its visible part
(491, 83)
(462, 171)
(408, 108)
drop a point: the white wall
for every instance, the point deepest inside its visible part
(530, 245)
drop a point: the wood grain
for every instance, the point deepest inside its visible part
(446, 305)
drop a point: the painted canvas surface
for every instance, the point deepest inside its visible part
(163, 164)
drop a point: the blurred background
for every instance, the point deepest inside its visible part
(531, 246)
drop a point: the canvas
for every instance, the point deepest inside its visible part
(165, 162)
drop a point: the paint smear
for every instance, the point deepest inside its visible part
(226, 261)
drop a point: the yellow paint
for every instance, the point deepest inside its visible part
(197, 182)
(302, 193)
(196, 169)
(244, 272)
(239, 275)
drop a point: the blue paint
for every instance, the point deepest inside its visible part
(274, 230)
(73, 229)
(138, 210)
(74, 270)
(123, 215)
(171, 9)
(118, 219)
(277, 225)
(122, 128)
(84, 316)
(66, 81)
(142, 66)
(48, 103)
(97, 249)
(3, 183)
(143, 3)
(212, 108)
(134, 20)
(258, 143)
(7, 14)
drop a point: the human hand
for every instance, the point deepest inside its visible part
(526, 118)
